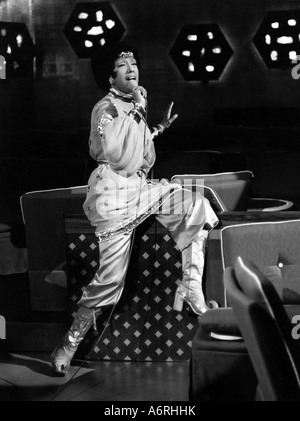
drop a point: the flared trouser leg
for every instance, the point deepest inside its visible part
(189, 218)
(186, 215)
(105, 289)
(108, 283)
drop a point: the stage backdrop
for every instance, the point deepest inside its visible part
(62, 91)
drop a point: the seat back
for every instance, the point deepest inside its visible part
(43, 215)
(210, 194)
(274, 247)
(266, 330)
(233, 188)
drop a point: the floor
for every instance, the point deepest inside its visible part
(28, 377)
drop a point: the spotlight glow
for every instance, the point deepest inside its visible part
(19, 40)
(191, 67)
(277, 38)
(17, 46)
(268, 39)
(201, 52)
(99, 16)
(83, 15)
(274, 55)
(285, 40)
(217, 50)
(92, 25)
(110, 23)
(95, 30)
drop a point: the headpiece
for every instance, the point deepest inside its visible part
(126, 54)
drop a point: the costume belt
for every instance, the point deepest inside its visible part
(140, 172)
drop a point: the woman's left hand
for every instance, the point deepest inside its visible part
(167, 119)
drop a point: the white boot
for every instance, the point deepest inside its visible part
(64, 353)
(190, 289)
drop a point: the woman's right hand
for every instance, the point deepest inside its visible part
(139, 95)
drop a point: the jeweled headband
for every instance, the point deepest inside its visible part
(126, 54)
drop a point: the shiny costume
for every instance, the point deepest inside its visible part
(119, 197)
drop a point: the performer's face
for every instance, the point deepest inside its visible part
(126, 74)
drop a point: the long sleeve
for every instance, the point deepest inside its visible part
(120, 138)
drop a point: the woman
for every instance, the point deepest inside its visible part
(120, 196)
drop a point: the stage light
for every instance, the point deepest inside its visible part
(201, 52)
(17, 48)
(285, 40)
(274, 55)
(91, 26)
(277, 38)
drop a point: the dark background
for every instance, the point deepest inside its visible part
(251, 112)
(249, 119)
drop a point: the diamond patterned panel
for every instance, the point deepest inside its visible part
(143, 327)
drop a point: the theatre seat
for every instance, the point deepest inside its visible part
(274, 247)
(43, 214)
(267, 331)
(233, 189)
(230, 191)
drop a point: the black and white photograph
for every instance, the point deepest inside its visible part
(150, 203)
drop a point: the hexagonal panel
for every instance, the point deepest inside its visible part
(92, 25)
(277, 39)
(17, 48)
(201, 52)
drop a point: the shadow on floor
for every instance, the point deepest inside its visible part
(28, 377)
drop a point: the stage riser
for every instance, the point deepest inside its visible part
(143, 326)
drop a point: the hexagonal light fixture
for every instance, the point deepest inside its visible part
(17, 50)
(201, 52)
(278, 38)
(91, 26)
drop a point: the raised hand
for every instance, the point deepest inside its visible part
(167, 119)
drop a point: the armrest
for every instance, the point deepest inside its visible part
(268, 204)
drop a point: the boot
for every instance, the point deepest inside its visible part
(190, 289)
(63, 354)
